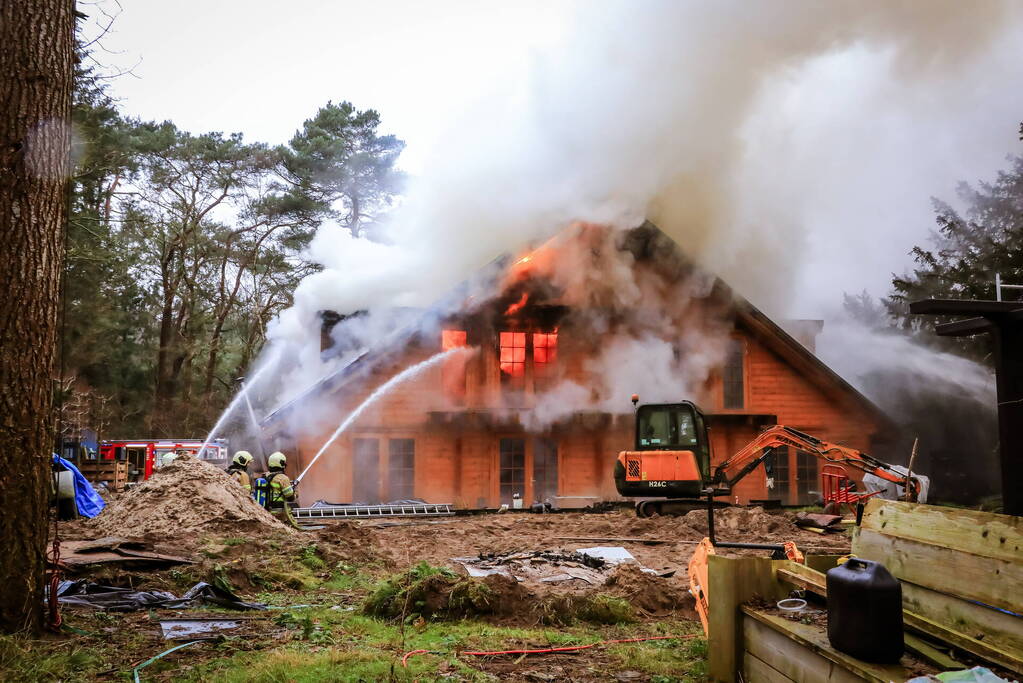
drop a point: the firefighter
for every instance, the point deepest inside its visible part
(239, 469)
(282, 491)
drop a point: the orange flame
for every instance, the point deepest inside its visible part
(518, 305)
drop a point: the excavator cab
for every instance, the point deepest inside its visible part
(671, 453)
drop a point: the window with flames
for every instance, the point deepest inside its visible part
(522, 354)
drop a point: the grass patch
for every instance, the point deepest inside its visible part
(27, 660)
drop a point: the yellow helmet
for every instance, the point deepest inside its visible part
(277, 461)
(242, 458)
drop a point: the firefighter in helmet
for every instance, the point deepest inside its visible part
(239, 469)
(282, 491)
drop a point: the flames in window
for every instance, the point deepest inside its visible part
(513, 355)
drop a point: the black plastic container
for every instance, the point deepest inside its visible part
(865, 611)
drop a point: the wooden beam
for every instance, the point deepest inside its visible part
(964, 328)
(964, 307)
(928, 652)
(962, 641)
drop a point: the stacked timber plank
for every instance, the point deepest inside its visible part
(113, 472)
(962, 580)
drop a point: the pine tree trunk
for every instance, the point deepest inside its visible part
(36, 59)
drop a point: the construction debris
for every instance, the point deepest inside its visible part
(813, 522)
(114, 550)
(544, 566)
(113, 599)
(185, 496)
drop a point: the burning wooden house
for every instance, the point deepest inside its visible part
(538, 406)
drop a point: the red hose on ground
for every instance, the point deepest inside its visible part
(544, 651)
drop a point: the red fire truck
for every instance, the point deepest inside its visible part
(144, 455)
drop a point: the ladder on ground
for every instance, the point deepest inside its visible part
(364, 511)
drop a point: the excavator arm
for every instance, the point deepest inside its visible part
(758, 450)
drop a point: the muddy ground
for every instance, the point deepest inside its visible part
(323, 583)
(439, 540)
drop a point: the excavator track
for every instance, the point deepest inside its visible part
(672, 507)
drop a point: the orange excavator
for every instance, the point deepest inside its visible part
(671, 459)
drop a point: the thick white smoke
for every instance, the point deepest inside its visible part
(654, 109)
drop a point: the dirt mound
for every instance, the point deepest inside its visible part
(750, 521)
(182, 498)
(650, 593)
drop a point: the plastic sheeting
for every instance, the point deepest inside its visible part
(892, 491)
(112, 599)
(87, 500)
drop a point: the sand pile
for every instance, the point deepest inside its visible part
(184, 497)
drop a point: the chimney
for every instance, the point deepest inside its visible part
(805, 332)
(328, 319)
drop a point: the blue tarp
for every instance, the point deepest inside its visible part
(88, 501)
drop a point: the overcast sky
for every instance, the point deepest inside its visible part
(853, 148)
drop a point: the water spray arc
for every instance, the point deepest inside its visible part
(404, 375)
(242, 394)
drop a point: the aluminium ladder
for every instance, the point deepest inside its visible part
(364, 511)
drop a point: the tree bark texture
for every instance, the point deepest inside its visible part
(36, 67)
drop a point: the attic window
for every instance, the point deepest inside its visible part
(513, 358)
(453, 370)
(734, 376)
(545, 353)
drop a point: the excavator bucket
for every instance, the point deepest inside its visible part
(698, 581)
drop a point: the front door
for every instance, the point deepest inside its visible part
(545, 470)
(366, 472)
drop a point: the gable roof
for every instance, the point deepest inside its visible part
(644, 241)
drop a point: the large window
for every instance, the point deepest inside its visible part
(781, 472)
(734, 385)
(806, 477)
(513, 468)
(401, 469)
(366, 471)
(545, 470)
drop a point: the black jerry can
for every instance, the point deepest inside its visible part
(865, 611)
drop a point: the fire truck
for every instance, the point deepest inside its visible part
(145, 455)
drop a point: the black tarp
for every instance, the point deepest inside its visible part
(113, 599)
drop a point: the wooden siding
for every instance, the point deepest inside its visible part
(456, 442)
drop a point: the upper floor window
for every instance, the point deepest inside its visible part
(734, 376)
(513, 358)
(545, 353)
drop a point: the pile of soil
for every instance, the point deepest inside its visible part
(652, 594)
(182, 498)
(754, 522)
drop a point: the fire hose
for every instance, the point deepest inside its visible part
(542, 651)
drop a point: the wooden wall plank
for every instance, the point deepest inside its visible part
(814, 639)
(793, 660)
(991, 581)
(758, 670)
(997, 629)
(984, 534)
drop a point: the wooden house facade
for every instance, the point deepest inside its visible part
(470, 429)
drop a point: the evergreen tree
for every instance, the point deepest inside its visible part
(967, 249)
